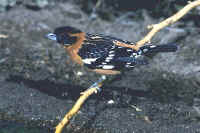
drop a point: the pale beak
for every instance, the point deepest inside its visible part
(51, 36)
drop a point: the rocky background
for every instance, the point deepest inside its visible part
(39, 84)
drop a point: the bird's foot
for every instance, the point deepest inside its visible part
(98, 83)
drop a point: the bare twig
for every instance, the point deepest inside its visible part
(76, 107)
(3, 36)
(157, 27)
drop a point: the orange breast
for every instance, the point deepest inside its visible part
(73, 49)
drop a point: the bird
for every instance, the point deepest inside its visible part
(104, 54)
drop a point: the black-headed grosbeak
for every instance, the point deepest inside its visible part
(104, 54)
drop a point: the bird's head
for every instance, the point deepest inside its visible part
(64, 35)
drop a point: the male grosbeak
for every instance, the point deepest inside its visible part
(104, 54)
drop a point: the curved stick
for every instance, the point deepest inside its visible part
(157, 27)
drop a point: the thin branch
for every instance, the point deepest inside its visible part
(157, 27)
(76, 107)
(3, 36)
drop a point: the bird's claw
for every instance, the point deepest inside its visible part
(95, 85)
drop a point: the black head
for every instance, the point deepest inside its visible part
(64, 35)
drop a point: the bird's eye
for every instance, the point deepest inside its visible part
(52, 35)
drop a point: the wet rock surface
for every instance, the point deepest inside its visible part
(39, 84)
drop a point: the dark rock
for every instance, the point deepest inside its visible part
(36, 83)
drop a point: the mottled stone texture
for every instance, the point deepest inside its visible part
(38, 83)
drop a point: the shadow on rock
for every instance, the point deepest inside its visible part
(71, 91)
(58, 90)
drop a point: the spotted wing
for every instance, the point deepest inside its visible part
(99, 52)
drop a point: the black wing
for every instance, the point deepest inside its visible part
(99, 52)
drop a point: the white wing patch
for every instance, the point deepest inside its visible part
(96, 37)
(111, 55)
(134, 54)
(111, 52)
(89, 60)
(145, 50)
(108, 59)
(108, 67)
(152, 46)
(129, 50)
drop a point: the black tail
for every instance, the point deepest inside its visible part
(148, 49)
